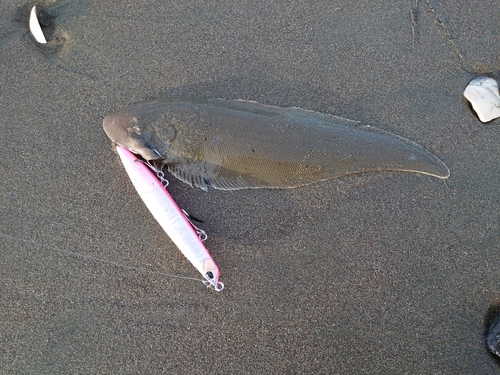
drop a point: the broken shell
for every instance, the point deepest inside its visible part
(482, 93)
(35, 28)
(493, 336)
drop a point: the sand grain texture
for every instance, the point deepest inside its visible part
(376, 273)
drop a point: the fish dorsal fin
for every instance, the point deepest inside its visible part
(323, 117)
(372, 129)
(289, 112)
(226, 179)
(189, 177)
(248, 106)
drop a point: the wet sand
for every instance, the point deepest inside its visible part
(374, 273)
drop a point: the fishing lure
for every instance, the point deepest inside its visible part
(171, 218)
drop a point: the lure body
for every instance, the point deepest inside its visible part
(170, 217)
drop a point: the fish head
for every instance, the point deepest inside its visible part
(123, 130)
(212, 274)
(146, 133)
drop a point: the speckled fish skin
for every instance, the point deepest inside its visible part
(232, 145)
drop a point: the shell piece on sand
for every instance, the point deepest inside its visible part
(35, 28)
(482, 93)
(493, 336)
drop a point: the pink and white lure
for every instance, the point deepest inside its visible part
(171, 218)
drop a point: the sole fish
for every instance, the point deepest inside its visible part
(237, 144)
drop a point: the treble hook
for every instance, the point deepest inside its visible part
(161, 176)
(159, 173)
(200, 232)
(218, 286)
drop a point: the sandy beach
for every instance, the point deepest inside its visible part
(377, 273)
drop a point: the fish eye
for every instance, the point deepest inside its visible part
(210, 275)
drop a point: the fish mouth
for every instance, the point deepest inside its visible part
(120, 130)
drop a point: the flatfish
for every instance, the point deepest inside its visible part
(237, 144)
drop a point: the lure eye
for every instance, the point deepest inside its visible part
(209, 275)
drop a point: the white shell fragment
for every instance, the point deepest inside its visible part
(35, 28)
(482, 93)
